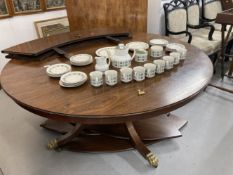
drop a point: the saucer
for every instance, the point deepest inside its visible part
(175, 46)
(159, 42)
(81, 60)
(73, 79)
(102, 52)
(137, 45)
(57, 70)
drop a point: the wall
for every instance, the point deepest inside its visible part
(20, 29)
(156, 22)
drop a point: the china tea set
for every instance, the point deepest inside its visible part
(119, 57)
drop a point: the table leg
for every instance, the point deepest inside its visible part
(231, 69)
(56, 143)
(223, 50)
(140, 146)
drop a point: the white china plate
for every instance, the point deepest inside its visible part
(73, 79)
(137, 45)
(81, 60)
(102, 52)
(159, 42)
(68, 86)
(57, 70)
(175, 46)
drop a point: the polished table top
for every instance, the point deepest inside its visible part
(27, 83)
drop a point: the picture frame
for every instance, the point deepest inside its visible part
(26, 6)
(54, 4)
(10, 8)
(5, 9)
(49, 27)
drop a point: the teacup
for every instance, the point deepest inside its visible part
(156, 51)
(176, 56)
(96, 78)
(183, 53)
(141, 55)
(160, 66)
(111, 77)
(126, 74)
(169, 62)
(139, 73)
(150, 70)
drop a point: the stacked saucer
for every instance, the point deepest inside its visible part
(57, 70)
(159, 42)
(73, 79)
(137, 45)
(103, 52)
(81, 60)
(174, 47)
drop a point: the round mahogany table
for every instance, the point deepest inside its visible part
(108, 118)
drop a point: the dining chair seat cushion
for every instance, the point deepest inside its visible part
(207, 46)
(212, 9)
(204, 33)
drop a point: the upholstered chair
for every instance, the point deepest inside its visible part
(210, 9)
(194, 18)
(201, 28)
(176, 25)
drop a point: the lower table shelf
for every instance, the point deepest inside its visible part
(110, 138)
(116, 137)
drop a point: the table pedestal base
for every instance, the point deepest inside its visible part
(117, 137)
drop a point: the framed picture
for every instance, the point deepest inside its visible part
(51, 27)
(54, 4)
(5, 10)
(26, 6)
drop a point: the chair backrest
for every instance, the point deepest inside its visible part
(210, 9)
(175, 17)
(227, 4)
(193, 12)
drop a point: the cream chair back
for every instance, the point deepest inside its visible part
(177, 20)
(193, 15)
(211, 9)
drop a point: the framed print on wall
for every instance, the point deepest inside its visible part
(54, 26)
(54, 4)
(26, 6)
(5, 10)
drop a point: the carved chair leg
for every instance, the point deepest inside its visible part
(231, 69)
(61, 141)
(140, 146)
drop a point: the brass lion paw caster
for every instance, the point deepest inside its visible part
(52, 144)
(140, 92)
(153, 160)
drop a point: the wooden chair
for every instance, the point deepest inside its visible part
(210, 9)
(200, 27)
(194, 18)
(176, 24)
